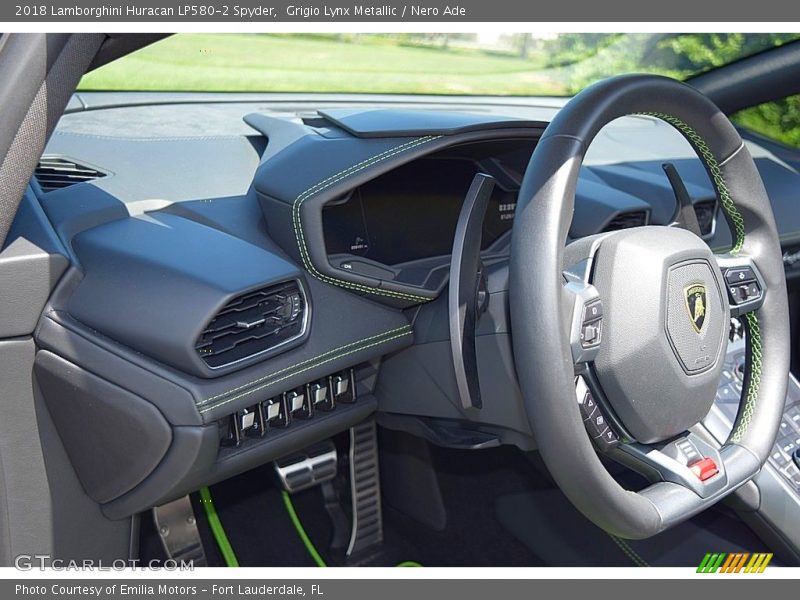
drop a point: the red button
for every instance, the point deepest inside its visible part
(704, 468)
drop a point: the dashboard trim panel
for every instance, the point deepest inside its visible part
(302, 212)
(245, 390)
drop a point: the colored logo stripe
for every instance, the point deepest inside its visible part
(735, 562)
(758, 563)
(711, 562)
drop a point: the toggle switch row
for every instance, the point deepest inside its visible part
(278, 412)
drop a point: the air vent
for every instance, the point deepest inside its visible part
(627, 220)
(706, 211)
(252, 324)
(54, 173)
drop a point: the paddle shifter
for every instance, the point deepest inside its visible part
(468, 297)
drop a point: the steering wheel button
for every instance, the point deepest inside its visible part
(606, 440)
(743, 292)
(587, 412)
(705, 468)
(689, 451)
(592, 311)
(739, 275)
(590, 334)
(587, 404)
(596, 425)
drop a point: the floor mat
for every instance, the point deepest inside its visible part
(470, 482)
(499, 512)
(251, 510)
(255, 520)
(554, 530)
(261, 532)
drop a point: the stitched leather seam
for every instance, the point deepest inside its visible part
(314, 361)
(754, 335)
(737, 224)
(332, 180)
(304, 369)
(726, 200)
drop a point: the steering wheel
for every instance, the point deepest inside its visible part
(620, 339)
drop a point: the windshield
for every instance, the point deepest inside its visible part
(491, 64)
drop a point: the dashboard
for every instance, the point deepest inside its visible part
(237, 277)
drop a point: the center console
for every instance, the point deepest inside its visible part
(772, 499)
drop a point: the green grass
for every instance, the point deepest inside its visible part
(270, 63)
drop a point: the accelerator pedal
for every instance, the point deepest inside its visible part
(366, 537)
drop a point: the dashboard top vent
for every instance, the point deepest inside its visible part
(627, 220)
(54, 173)
(254, 323)
(706, 211)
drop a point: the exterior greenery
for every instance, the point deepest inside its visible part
(779, 120)
(514, 64)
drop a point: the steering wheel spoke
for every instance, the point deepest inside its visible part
(687, 460)
(744, 284)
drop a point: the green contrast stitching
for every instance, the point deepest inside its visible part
(326, 183)
(630, 552)
(754, 333)
(701, 147)
(306, 368)
(737, 221)
(300, 364)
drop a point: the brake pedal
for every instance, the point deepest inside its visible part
(358, 539)
(309, 467)
(177, 528)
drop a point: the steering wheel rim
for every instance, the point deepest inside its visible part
(544, 356)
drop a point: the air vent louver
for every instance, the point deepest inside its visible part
(54, 173)
(253, 323)
(706, 211)
(627, 220)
